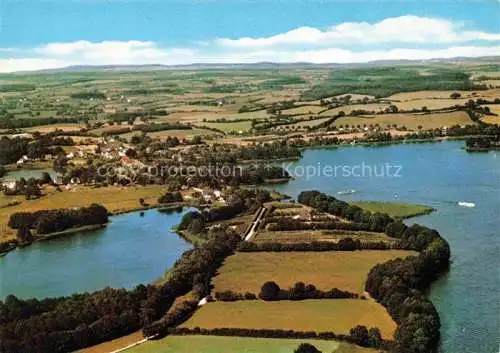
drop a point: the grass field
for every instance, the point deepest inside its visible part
(244, 272)
(53, 127)
(376, 107)
(115, 199)
(318, 235)
(305, 109)
(334, 315)
(215, 344)
(434, 103)
(431, 94)
(173, 133)
(113, 345)
(410, 121)
(228, 127)
(394, 209)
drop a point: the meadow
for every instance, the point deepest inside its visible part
(410, 121)
(394, 209)
(247, 272)
(333, 315)
(215, 344)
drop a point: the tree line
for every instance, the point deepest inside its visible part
(50, 221)
(345, 244)
(19, 123)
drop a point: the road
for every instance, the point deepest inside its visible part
(255, 224)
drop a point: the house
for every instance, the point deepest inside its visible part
(109, 110)
(23, 135)
(9, 184)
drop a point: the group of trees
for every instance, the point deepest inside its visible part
(49, 221)
(376, 222)
(306, 348)
(29, 188)
(69, 323)
(482, 143)
(30, 122)
(12, 149)
(168, 197)
(270, 291)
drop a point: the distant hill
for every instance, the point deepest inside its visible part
(270, 65)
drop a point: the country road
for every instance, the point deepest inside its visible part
(255, 224)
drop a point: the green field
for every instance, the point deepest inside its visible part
(394, 209)
(214, 344)
(348, 270)
(333, 315)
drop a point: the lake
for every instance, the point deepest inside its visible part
(439, 175)
(132, 249)
(30, 173)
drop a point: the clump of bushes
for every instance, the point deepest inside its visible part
(271, 291)
(169, 197)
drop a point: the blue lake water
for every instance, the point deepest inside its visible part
(439, 175)
(132, 249)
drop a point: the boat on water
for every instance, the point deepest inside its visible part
(466, 204)
(346, 192)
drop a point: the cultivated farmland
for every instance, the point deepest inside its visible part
(337, 315)
(346, 270)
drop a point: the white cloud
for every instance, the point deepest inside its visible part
(403, 29)
(114, 52)
(29, 64)
(339, 44)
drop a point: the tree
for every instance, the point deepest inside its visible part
(131, 153)
(24, 235)
(46, 178)
(393, 109)
(60, 164)
(306, 348)
(269, 291)
(32, 189)
(360, 335)
(375, 337)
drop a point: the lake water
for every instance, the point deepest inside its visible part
(439, 175)
(132, 249)
(29, 173)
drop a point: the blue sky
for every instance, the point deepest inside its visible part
(39, 34)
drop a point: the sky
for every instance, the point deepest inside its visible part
(42, 34)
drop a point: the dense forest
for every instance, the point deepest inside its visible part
(50, 221)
